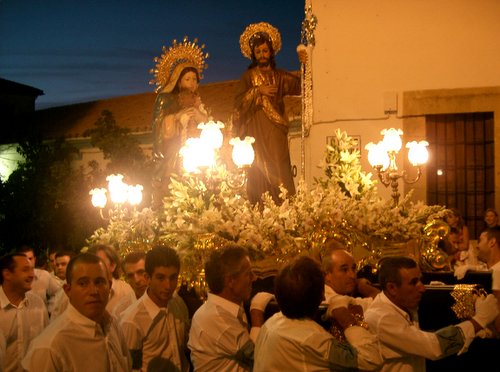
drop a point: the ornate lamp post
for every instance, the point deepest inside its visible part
(382, 157)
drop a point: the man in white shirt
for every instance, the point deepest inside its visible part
(339, 269)
(23, 314)
(61, 263)
(219, 339)
(292, 340)
(489, 252)
(134, 267)
(44, 284)
(121, 292)
(85, 337)
(156, 326)
(392, 316)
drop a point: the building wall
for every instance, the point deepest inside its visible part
(415, 57)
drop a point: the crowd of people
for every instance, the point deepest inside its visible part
(91, 311)
(375, 327)
(86, 316)
(461, 249)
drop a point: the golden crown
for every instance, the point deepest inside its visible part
(184, 53)
(254, 29)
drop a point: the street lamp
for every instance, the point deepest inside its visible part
(119, 192)
(382, 157)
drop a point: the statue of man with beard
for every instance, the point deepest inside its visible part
(259, 111)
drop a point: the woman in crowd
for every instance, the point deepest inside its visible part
(490, 218)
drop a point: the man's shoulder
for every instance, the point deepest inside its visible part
(34, 301)
(380, 308)
(210, 312)
(41, 274)
(132, 311)
(178, 303)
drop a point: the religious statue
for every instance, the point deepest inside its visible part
(259, 111)
(178, 108)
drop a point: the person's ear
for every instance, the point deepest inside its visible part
(328, 277)
(391, 288)
(492, 242)
(67, 288)
(6, 274)
(228, 281)
(112, 267)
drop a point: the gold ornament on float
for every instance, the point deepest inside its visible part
(432, 257)
(465, 296)
(255, 29)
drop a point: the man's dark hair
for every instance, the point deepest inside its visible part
(133, 257)
(299, 288)
(258, 40)
(222, 263)
(110, 252)
(86, 258)
(389, 269)
(63, 253)
(8, 262)
(493, 232)
(161, 256)
(25, 248)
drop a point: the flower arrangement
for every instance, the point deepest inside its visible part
(202, 213)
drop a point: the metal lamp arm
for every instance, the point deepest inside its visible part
(408, 180)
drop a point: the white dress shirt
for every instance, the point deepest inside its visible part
(46, 286)
(18, 326)
(121, 292)
(404, 345)
(155, 332)
(495, 277)
(219, 339)
(286, 344)
(77, 343)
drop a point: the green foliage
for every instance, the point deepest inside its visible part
(45, 201)
(117, 144)
(342, 167)
(121, 150)
(40, 201)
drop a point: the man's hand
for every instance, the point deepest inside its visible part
(336, 302)
(260, 301)
(257, 307)
(366, 288)
(486, 310)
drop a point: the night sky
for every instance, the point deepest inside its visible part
(79, 51)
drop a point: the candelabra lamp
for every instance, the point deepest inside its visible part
(382, 157)
(201, 157)
(120, 194)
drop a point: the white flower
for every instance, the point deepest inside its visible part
(344, 203)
